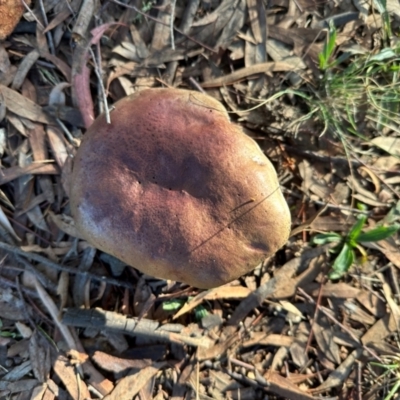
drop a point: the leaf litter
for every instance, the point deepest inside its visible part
(105, 331)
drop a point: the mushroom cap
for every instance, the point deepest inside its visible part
(174, 189)
(11, 12)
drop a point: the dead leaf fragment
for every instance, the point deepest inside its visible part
(130, 386)
(75, 386)
(389, 144)
(284, 387)
(117, 364)
(11, 12)
(337, 377)
(21, 105)
(263, 68)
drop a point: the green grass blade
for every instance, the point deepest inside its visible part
(379, 233)
(342, 262)
(173, 305)
(329, 47)
(356, 230)
(324, 238)
(393, 391)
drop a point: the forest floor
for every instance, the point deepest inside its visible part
(316, 84)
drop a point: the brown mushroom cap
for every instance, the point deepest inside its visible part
(11, 12)
(174, 189)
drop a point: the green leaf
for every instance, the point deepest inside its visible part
(324, 238)
(390, 367)
(322, 61)
(329, 47)
(342, 262)
(393, 391)
(356, 230)
(200, 312)
(393, 215)
(7, 334)
(379, 233)
(381, 6)
(331, 39)
(173, 305)
(383, 55)
(361, 207)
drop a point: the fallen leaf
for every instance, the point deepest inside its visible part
(22, 106)
(70, 378)
(389, 144)
(222, 292)
(130, 386)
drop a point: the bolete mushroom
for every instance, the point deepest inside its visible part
(174, 189)
(10, 13)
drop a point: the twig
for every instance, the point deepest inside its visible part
(100, 319)
(325, 204)
(359, 381)
(23, 302)
(43, 279)
(8, 283)
(163, 23)
(68, 134)
(319, 157)
(99, 74)
(333, 319)
(171, 27)
(310, 337)
(395, 192)
(298, 6)
(184, 26)
(32, 14)
(195, 84)
(41, 238)
(46, 22)
(282, 278)
(248, 381)
(53, 311)
(58, 267)
(241, 363)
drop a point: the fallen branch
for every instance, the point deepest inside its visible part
(108, 320)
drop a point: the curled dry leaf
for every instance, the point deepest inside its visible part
(11, 12)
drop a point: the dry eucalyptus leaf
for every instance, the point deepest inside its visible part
(389, 144)
(22, 106)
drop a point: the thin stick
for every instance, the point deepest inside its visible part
(163, 23)
(114, 322)
(333, 319)
(8, 283)
(53, 311)
(99, 74)
(58, 267)
(46, 22)
(323, 203)
(32, 14)
(171, 26)
(310, 337)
